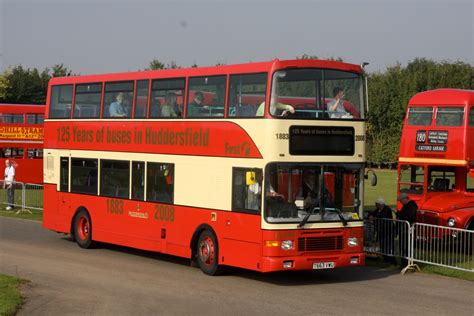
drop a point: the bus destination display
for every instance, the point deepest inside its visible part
(321, 140)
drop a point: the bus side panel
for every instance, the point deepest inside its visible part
(158, 227)
(56, 212)
(240, 240)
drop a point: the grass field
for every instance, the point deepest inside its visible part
(386, 187)
(10, 297)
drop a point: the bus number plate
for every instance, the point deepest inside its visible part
(323, 265)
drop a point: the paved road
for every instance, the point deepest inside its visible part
(68, 280)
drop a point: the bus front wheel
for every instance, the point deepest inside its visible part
(207, 253)
(83, 229)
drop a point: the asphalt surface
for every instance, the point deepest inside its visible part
(68, 280)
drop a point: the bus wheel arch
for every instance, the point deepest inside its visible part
(205, 250)
(81, 228)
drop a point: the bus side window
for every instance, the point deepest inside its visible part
(246, 190)
(87, 100)
(206, 96)
(114, 178)
(138, 180)
(246, 94)
(84, 175)
(141, 99)
(160, 182)
(64, 175)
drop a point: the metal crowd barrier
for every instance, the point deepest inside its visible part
(430, 244)
(387, 237)
(27, 196)
(444, 246)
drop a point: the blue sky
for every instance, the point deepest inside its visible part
(124, 35)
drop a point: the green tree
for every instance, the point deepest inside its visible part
(59, 70)
(3, 87)
(26, 85)
(155, 64)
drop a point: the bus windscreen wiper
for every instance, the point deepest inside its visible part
(306, 217)
(339, 213)
(310, 212)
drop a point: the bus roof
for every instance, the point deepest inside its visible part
(6, 108)
(251, 67)
(454, 97)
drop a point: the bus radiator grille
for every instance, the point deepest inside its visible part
(320, 243)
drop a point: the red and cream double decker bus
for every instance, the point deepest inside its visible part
(239, 165)
(436, 163)
(21, 140)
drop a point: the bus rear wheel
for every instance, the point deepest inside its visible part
(207, 253)
(83, 229)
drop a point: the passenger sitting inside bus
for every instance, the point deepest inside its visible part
(155, 108)
(336, 107)
(168, 108)
(276, 108)
(196, 106)
(118, 108)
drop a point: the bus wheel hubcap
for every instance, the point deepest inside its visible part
(206, 251)
(83, 226)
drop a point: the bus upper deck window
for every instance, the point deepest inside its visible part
(420, 116)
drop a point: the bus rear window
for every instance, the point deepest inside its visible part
(452, 116)
(420, 116)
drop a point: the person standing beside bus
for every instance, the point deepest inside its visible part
(117, 108)
(8, 183)
(406, 213)
(382, 216)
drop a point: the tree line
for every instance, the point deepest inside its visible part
(389, 93)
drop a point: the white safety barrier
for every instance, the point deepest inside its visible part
(430, 244)
(27, 196)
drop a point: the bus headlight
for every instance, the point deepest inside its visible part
(287, 244)
(353, 242)
(451, 222)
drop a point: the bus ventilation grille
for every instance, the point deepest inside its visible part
(320, 243)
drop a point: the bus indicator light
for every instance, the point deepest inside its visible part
(271, 243)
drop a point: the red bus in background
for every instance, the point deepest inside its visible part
(21, 140)
(436, 162)
(141, 159)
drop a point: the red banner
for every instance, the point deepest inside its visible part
(221, 139)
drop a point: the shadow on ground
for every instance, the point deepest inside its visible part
(282, 278)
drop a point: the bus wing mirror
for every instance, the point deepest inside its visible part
(250, 178)
(373, 178)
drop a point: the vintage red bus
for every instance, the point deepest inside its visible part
(21, 140)
(177, 161)
(436, 163)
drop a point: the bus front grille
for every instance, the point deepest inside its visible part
(320, 243)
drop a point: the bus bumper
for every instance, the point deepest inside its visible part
(312, 262)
